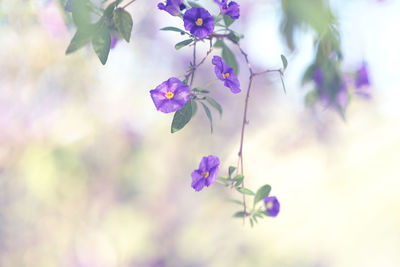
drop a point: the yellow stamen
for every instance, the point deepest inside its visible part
(169, 95)
(270, 205)
(199, 22)
(225, 75)
(205, 174)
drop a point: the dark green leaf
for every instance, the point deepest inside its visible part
(110, 8)
(80, 39)
(123, 22)
(214, 104)
(183, 44)
(261, 193)
(101, 43)
(209, 116)
(230, 59)
(284, 62)
(245, 191)
(219, 44)
(231, 170)
(174, 29)
(228, 20)
(239, 214)
(182, 117)
(234, 37)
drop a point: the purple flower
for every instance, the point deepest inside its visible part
(114, 41)
(173, 7)
(225, 73)
(171, 95)
(199, 22)
(206, 174)
(272, 206)
(362, 82)
(231, 9)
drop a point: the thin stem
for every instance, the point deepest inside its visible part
(128, 3)
(194, 64)
(191, 71)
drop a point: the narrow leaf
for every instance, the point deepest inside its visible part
(200, 90)
(236, 201)
(174, 29)
(183, 44)
(245, 191)
(283, 83)
(194, 107)
(123, 22)
(239, 179)
(261, 193)
(209, 116)
(101, 43)
(228, 20)
(239, 214)
(182, 117)
(80, 39)
(214, 104)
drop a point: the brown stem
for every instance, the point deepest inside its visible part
(128, 4)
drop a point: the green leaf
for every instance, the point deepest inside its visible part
(228, 20)
(234, 37)
(239, 179)
(251, 223)
(231, 170)
(230, 59)
(209, 116)
(219, 44)
(173, 29)
(193, 4)
(194, 107)
(214, 104)
(101, 43)
(123, 22)
(245, 191)
(261, 193)
(239, 214)
(108, 12)
(183, 44)
(284, 62)
(80, 39)
(200, 90)
(236, 202)
(80, 13)
(182, 117)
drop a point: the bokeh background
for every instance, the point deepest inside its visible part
(90, 175)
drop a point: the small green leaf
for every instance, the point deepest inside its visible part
(80, 39)
(123, 22)
(245, 191)
(234, 37)
(261, 193)
(101, 43)
(230, 59)
(239, 214)
(199, 90)
(284, 62)
(214, 104)
(182, 117)
(236, 202)
(239, 179)
(108, 12)
(219, 44)
(231, 170)
(251, 223)
(209, 116)
(80, 13)
(183, 44)
(173, 29)
(228, 20)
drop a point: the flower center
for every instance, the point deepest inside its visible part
(199, 22)
(169, 95)
(225, 75)
(270, 205)
(205, 174)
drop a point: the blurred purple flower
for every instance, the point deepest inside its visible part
(206, 174)
(231, 9)
(362, 82)
(171, 95)
(114, 41)
(199, 22)
(173, 7)
(225, 73)
(272, 206)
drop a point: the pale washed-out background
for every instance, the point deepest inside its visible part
(91, 176)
